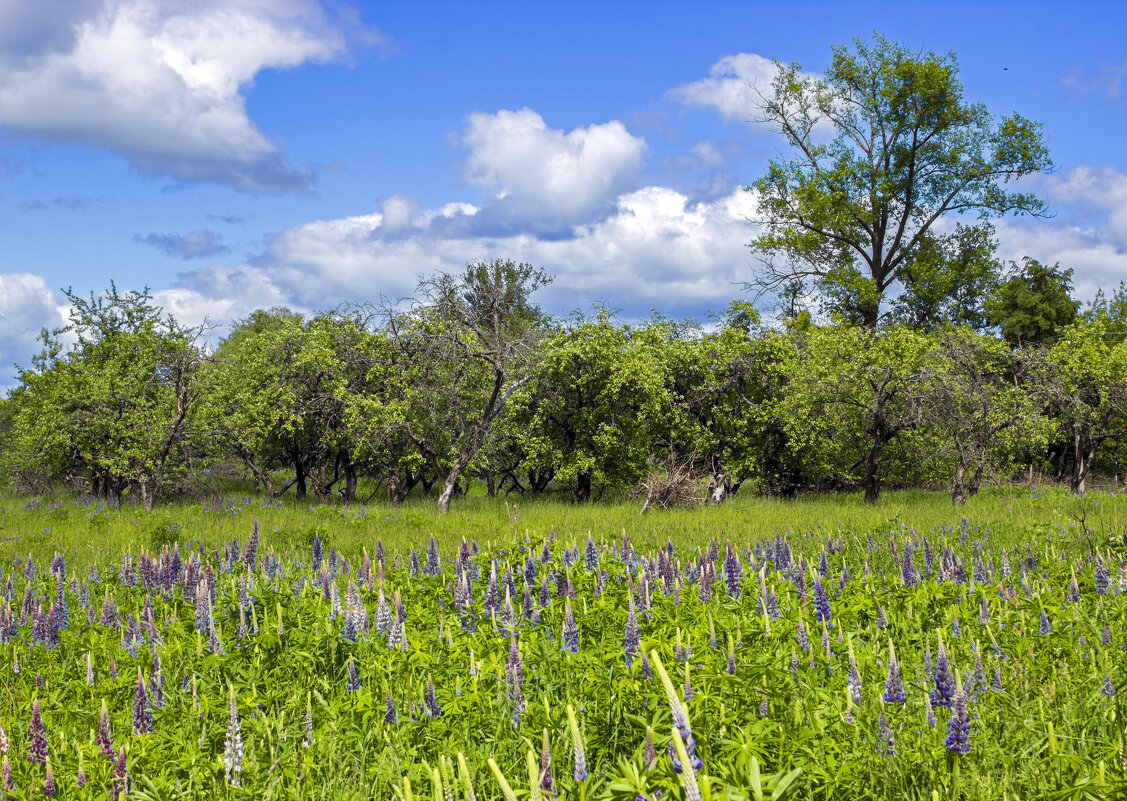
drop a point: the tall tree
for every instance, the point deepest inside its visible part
(851, 212)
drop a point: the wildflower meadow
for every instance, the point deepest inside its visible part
(235, 649)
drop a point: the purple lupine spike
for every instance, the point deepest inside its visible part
(886, 744)
(3, 741)
(514, 671)
(632, 639)
(958, 727)
(390, 715)
(1107, 689)
(122, 783)
(250, 556)
(1046, 627)
(943, 679)
(649, 753)
(233, 751)
(36, 736)
(50, 790)
(1102, 577)
(352, 682)
(6, 780)
(570, 638)
(930, 712)
(142, 710)
(894, 686)
(432, 701)
(104, 740)
(733, 571)
(80, 777)
(801, 636)
(434, 562)
(822, 610)
(764, 707)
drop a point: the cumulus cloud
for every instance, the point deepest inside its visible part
(27, 305)
(200, 244)
(731, 88)
(657, 248)
(1088, 234)
(162, 82)
(546, 178)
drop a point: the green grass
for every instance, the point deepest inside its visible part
(62, 525)
(1049, 735)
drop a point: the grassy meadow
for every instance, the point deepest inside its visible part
(809, 649)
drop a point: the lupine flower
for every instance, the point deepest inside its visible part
(958, 727)
(580, 771)
(433, 708)
(733, 571)
(894, 686)
(233, 751)
(731, 668)
(142, 711)
(36, 736)
(6, 779)
(1046, 627)
(121, 780)
(3, 741)
(855, 689)
(943, 680)
(764, 707)
(80, 777)
(590, 556)
(49, 788)
(632, 639)
(1107, 690)
(886, 744)
(390, 715)
(547, 782)
(250, 557)
(822, 610)
(570, 638)
(104, 740)
(352, 682)
(1102, 578)
(514, 671)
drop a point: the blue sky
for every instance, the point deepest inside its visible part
(234, 154)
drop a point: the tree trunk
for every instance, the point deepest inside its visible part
(350, 481)
(975, 482)
(871, 479)
(583, 486)
(491, 484)
(1079, 466)
(958, 488)
(450, 483)
(302, 488)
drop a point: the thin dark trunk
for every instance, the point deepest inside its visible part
(583, 486)
(958, 489)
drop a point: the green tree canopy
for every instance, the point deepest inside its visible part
(1034, 304)
(850, 213)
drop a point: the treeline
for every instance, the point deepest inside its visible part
(472, 385)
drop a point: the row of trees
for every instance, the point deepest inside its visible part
(939, 364)
(472, 384)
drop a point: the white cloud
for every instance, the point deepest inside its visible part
(656, 249)
(27, 305)
(545, 177)
(162, 82)
(731, 88)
